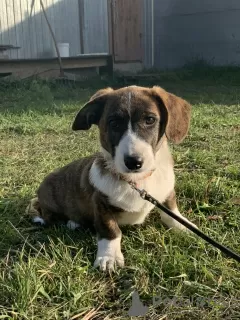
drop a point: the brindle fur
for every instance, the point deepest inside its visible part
(67, 194)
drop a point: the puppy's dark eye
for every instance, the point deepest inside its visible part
(150, 120)
(114, 124)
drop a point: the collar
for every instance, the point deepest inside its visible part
(132, 183)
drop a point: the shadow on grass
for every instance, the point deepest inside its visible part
(43, 100)
(200, 84)
(197, 84)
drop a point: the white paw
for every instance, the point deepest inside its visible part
(178, 226)
(38, 220)
(174, 224)
(109, 254)
(72, 225)
(109, 263)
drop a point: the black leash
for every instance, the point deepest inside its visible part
(144, 195)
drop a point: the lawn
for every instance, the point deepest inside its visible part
(48, 273)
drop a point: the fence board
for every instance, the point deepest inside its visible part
(11, 27)
(4, 23)
(127, 30)
(95, 31)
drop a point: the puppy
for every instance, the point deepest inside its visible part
(135, 124)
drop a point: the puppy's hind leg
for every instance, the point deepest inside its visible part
(33, 210)
(37, 214)
(72, 225)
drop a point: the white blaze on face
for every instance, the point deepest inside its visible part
(132, 145)
(129, 103)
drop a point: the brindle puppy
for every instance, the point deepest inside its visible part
(134, 125)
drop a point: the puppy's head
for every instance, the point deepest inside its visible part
(131, 122)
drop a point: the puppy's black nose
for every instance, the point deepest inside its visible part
(133, 162)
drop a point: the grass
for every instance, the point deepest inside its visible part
(48, 273)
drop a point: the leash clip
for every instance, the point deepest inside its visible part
(143, 193)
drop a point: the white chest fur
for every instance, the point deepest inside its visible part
(121, 195)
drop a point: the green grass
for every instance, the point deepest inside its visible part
(48, 273)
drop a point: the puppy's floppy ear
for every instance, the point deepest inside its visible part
(92, 111)
(178, 114)
(101, 92)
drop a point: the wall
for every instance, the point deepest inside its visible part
(187, 30)
(19, 27)
(184, 30)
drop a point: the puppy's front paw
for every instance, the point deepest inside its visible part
(174, 224)
(109, 254)
(180, 227)
(108, 262)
